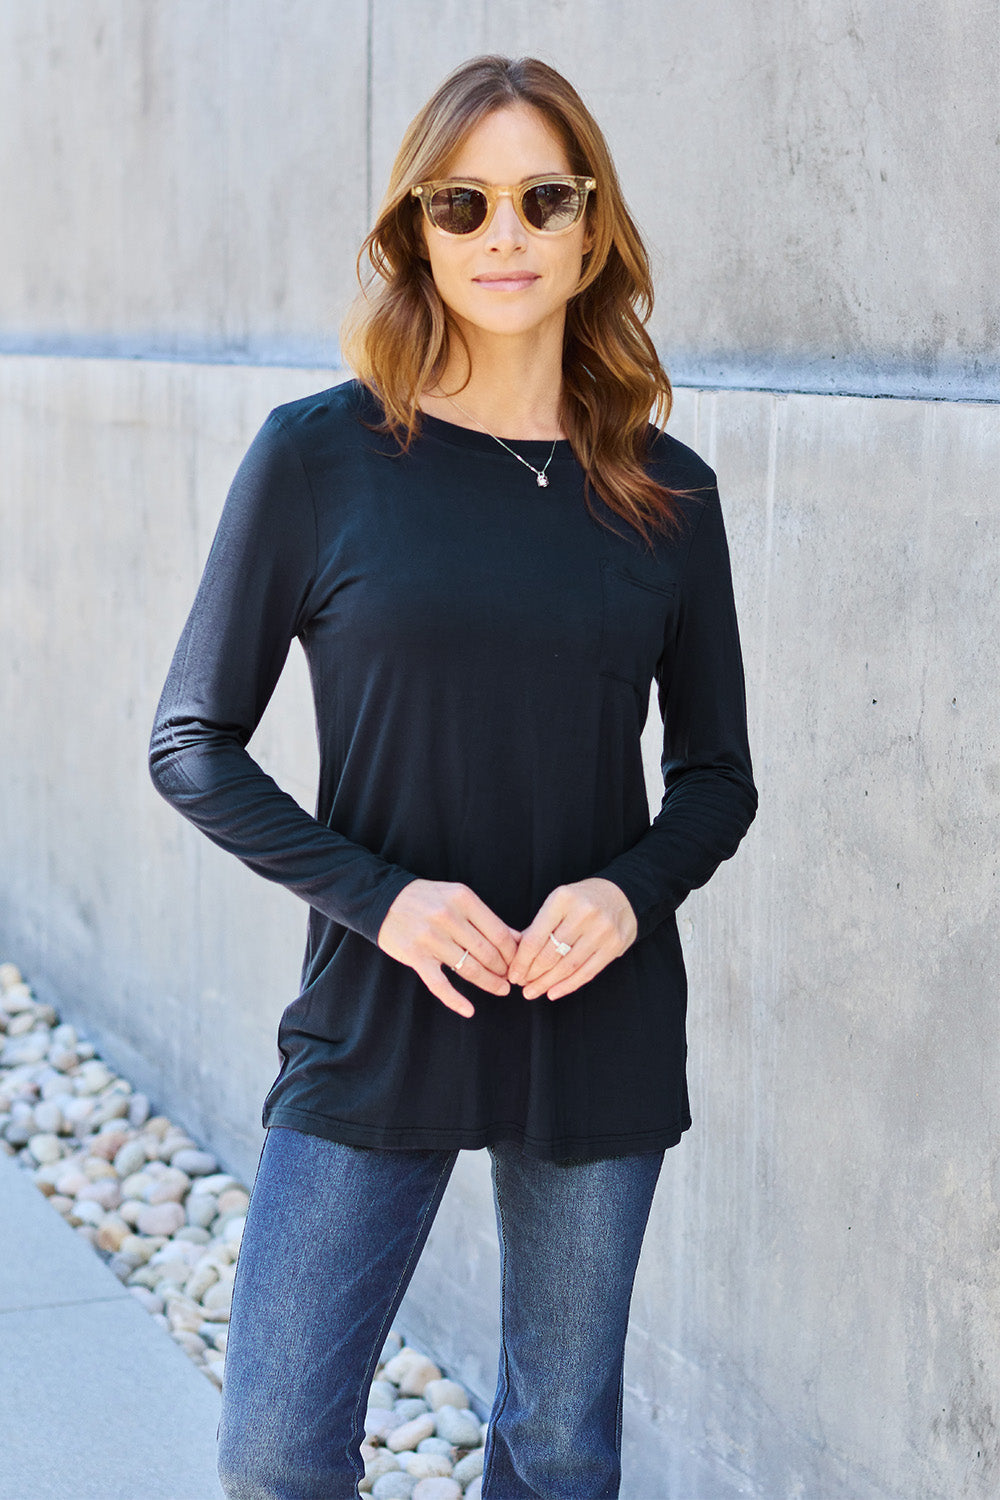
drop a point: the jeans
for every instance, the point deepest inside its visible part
(333, 1234)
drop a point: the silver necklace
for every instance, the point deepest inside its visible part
(541, 477)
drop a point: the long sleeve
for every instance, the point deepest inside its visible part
(255, 596)
(709, 798)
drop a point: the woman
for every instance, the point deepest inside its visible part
(488, 554)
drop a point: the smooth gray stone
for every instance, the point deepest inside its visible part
(435, 1445)
(458, 1427)
(395, 1486)
(409, 1407)
(469, 1467)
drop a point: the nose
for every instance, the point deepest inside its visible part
(505, 230)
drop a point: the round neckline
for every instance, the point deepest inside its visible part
(471, 438)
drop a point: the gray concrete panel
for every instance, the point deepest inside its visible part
(819, 183)
(189, 179)
(816, 1311)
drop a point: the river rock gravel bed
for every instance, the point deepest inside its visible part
(158, 1209)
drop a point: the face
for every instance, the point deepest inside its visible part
(507, 281)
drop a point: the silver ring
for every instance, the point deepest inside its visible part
(461, 961)
(561, 948)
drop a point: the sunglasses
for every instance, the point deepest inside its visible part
(544, 205)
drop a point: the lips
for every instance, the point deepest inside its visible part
(513, 280)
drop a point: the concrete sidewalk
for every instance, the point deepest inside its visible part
(96, 1401)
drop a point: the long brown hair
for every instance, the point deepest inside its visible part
(396, 334)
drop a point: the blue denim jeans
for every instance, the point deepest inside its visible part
(332, 1237)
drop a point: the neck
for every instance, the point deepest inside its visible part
(513, 389)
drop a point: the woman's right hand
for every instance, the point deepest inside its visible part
(432, 922)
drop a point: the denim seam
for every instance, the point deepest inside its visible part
(414, 1255)
(499, 1405)
(236, 1268)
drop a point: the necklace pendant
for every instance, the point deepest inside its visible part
(543, 481)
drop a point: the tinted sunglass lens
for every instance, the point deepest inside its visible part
(458, 210)
(551, 205)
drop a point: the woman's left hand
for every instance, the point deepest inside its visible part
(597, 921)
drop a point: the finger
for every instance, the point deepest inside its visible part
(434, 979)
(480, 949)
(587, 971)
(550, 957)
(488, 925)
(535, 937)
(470, 968)
(566, 965)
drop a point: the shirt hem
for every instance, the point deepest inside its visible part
(436, 1138)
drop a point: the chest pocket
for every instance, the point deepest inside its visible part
(634, 619)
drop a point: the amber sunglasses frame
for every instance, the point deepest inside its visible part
(424, 192)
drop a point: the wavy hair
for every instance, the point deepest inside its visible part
(397, 333)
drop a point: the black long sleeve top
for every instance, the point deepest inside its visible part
(481, 652)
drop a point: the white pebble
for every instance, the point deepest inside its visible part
(64, 1058)
(470, 1466)
(23, 1050)
(85, 1212)
(381, 1463)
(438, 1393)
(198, 1283)
(409, 1407)
(382, 1395)
(426, 1465)
(138, 1110)
(194, 1162)
(217, 1182)
(411, 1433)
(379, 1423)
(393, 1487)
(45, 1148)
(92, 1077)
(49, 1117)
(170, 1186)
(160, 1218)
(411, 1371)
(218, 1298)
(20, 1025)
(437, 1489)
(195, 1235)
(201, 1208)
(78, 1111)
(233, 1232)
(130, 1158)
(458, 1427)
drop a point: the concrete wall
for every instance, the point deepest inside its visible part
(820, 178)
(816, 1314)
